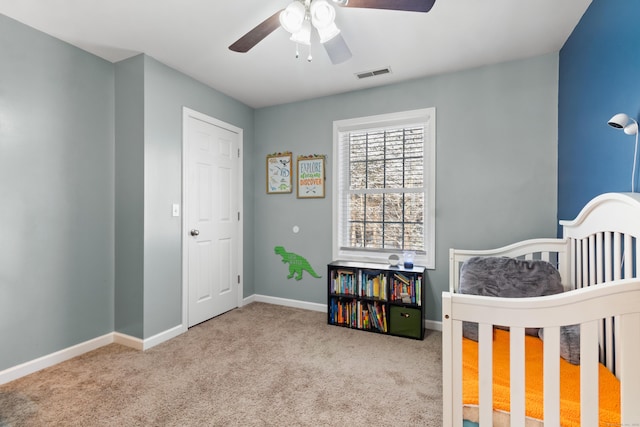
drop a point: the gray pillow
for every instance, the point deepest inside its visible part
(569, 343)
(508, 278)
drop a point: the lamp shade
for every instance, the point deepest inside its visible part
(631, 128)
(292, 17)
(322, 13)
(323, 17)
(303, 35)
(621, 121)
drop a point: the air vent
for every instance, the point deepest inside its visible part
(373, 73)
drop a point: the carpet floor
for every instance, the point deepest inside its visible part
(259, 365)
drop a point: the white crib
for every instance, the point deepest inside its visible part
(600, 247)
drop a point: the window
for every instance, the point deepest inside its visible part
(384, 187)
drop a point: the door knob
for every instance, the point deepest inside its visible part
(195, 232)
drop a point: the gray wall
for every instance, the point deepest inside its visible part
(56, 195)
(150, 98)
(89, 245)
(166, 92)
(496, 167)
(129, 196)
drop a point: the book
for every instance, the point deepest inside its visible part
(402, 278)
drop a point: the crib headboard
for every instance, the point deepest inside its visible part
(600, 245)
(603, 240)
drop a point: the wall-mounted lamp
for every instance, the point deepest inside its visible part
(621, 121)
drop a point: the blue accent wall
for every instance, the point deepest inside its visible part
(599, 76)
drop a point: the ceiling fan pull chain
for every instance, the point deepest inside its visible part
(309, 58)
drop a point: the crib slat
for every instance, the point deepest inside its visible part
(637, 249)
(608, 271)
(588, 374)
(629, 372)
(584, 275)
(485, 374)
(517, 376)
(617, 257)
(551, 372)
(628, 256)
(456, 371)
(602, 351)
(607, 347)
(599, 266)
(592, 259)
(617, 350)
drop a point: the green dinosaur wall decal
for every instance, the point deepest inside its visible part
(297, 264)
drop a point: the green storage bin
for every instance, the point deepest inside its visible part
(406, 322)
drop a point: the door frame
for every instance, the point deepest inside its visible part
(186, 114)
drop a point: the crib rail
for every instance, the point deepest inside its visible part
(583, 258)
(555, 251)
(587, 307)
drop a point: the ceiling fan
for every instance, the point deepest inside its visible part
(302, 16)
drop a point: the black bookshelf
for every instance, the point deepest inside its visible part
(376, 298)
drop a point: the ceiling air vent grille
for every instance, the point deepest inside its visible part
(373, 73)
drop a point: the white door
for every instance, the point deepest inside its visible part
(212, 217)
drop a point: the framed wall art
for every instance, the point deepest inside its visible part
(279, 173)
(311, 176)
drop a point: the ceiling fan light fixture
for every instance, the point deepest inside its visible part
(322, 13)
(323, 17)
(303, 35)
(293, 17)
(341, 2)
(328, 33)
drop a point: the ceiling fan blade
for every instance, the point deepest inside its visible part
(337, 50)
(408, 5)
(255, 36)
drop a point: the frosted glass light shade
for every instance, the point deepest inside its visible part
(303, 35)
(292, 17)
(323, 17)
(322, 14)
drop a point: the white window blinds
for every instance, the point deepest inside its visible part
(384, 186)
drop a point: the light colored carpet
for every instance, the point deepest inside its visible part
(260, 365)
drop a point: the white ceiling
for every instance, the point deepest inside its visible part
(193, 36)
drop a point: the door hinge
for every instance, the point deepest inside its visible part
(238, 153)
(238, 215)
(238, 279)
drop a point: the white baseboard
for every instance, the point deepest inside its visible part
(428, 324)
(287, 302)
(163, 336)
(49, 360)
(128, 341)
(433, 325)
(43, 362)
(46, 361)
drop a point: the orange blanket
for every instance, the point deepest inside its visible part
(569, 382)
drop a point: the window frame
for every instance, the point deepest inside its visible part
(425, 117)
